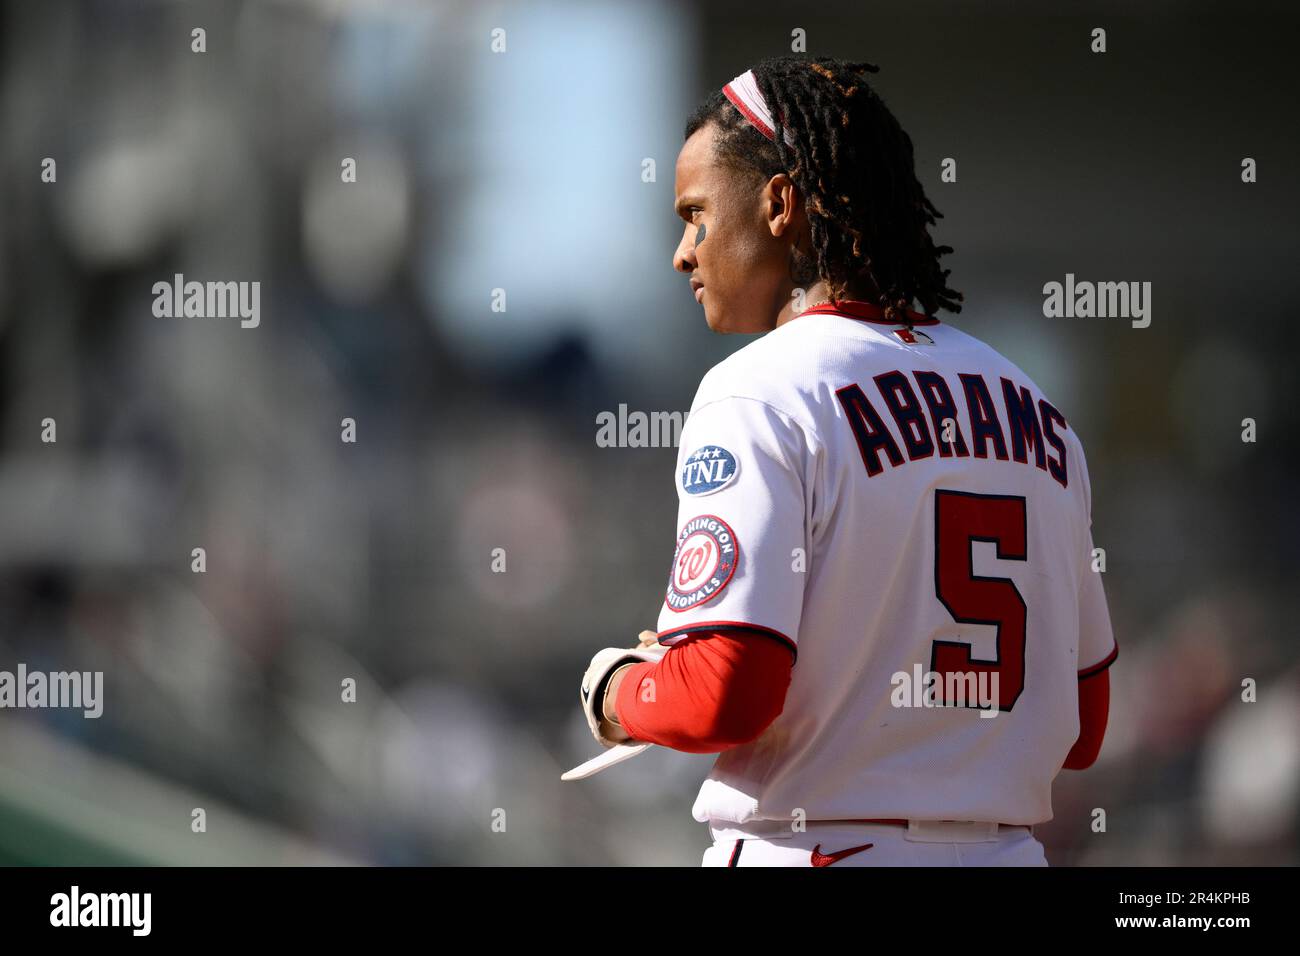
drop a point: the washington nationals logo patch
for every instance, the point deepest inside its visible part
(707, 552)
(708, 469)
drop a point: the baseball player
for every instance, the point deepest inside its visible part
(881, 611)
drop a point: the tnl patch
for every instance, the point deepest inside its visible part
(708, 469)
(706, 557)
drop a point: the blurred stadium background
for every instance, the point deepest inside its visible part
(522, 171)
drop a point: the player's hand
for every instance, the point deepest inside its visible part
(592, 689)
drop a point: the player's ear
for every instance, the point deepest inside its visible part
(782, 204)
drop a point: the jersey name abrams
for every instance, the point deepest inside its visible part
(926, 418)
(707, 552)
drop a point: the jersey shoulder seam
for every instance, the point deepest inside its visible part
(789, 418)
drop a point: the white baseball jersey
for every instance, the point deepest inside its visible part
(911, 515)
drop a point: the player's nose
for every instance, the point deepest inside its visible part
(684, 257)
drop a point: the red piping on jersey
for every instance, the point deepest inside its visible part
(673, 635)
(1101, 665)
(856, 309)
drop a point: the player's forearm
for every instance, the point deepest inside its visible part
(707, 695)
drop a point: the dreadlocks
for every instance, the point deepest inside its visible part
(853, 166)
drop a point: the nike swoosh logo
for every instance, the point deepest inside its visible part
(826, 859)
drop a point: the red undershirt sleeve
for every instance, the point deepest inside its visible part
(1094, 710)
(713, 690)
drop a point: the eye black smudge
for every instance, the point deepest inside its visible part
(699, 234)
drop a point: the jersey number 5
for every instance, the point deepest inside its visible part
(959, 520)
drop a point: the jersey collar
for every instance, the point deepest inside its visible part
(856, 309)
